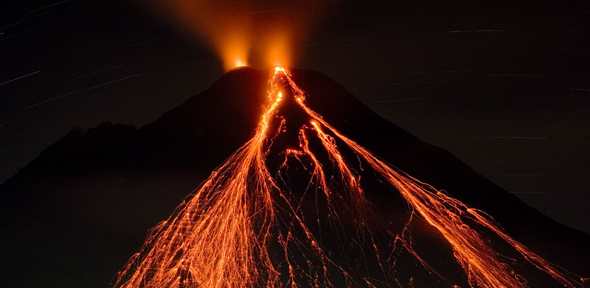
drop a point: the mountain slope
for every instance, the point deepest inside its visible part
(75, 214)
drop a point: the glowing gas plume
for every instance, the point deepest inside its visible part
(261, 33)
(240, 63)
(245, 228)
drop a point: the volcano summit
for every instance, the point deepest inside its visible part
(324, 193)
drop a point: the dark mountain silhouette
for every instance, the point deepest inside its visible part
(73, 216)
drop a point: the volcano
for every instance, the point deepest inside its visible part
(356, 202)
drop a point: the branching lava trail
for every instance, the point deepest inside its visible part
(244, 228)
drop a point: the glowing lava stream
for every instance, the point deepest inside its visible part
(221, 235)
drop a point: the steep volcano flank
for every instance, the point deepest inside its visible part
(247, 213)
(438, 168)
(100, 185)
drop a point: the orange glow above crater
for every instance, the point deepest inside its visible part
(244, 32)
(240, 63)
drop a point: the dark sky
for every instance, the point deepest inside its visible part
(503, 85)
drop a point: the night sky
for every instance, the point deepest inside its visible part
(503, 85)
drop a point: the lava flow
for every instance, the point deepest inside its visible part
(245, 226)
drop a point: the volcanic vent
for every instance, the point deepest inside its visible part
(302, 205)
